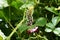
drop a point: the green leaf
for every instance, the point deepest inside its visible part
(52, 9)
(1, 13)
(23, 28)
(32, 26)
(16, 4)
(41, 21)
(1, 38)
(27, 5)
(57, 31)
(55, 20)
(48, 30)
(50, 25)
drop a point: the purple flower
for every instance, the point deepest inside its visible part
(32, 30)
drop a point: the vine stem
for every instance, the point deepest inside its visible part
(8, 38)
(15, 29)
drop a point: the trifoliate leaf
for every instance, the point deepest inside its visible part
(57, 31)
(41, 21)
(48, 30)
(50, 25)
(55, 20)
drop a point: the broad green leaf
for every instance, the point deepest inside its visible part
(50, 25)
(1, 38)
(55, 20)
(48, 30)
(16, 4)
(57, 31)
(23, 28)
(52, 9)
(41, 21)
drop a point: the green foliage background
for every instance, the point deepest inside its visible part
(45, 17)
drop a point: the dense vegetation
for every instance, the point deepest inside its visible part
(29, 19)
